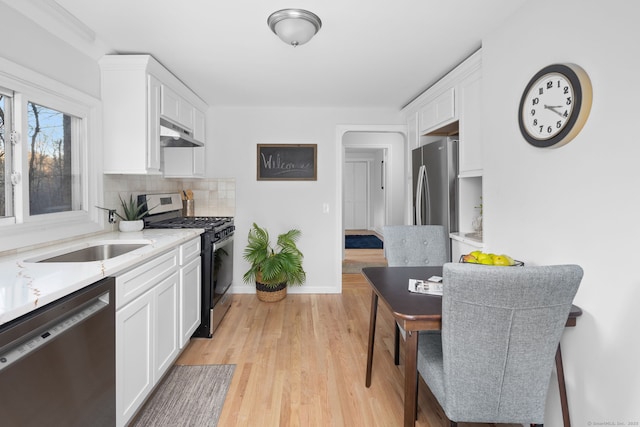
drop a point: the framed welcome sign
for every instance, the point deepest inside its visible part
(292, 162)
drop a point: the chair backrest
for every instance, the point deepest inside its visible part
(415, 245)
(500, 331)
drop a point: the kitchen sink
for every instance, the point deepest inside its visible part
(99, 252)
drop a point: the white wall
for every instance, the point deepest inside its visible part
(280, 206)
(29, 45)
(579, 203)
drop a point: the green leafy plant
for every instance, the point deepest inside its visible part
(273, 265)
(132, 210)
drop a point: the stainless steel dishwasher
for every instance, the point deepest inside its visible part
(57, 364)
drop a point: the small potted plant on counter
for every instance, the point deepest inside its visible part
(133, 212)
(273, 268)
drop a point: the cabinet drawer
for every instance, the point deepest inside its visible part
(189, 250)
(135, 282)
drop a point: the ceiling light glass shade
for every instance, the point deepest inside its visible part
(294, 26)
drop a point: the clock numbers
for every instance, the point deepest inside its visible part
(555, 105)
(551, 101)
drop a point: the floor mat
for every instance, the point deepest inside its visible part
(362, 242)
(188, 396)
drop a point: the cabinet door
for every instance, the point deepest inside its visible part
(199, 125)
(190, 297)
(170, 105)
(134, 345)
(176, 108)
(413, 134)
(187, 112)
(470, 147)
(439, 112)
(153, 123)
(166, 324)
(184, 162)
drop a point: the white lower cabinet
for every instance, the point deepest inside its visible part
(147, 331)
(166, 325)
(157, 311)
(134, 350)
(190, 297)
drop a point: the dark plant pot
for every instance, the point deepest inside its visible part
(269, 293)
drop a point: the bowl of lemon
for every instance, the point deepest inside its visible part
(482, 258)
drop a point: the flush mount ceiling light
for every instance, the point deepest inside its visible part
(294, 26)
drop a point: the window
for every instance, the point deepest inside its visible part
(50, 162)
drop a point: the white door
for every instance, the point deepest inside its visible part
(356, 197)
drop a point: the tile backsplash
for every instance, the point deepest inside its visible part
(212, 196)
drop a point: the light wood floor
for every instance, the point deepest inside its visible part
(301, 362)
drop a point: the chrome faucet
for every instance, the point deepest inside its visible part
(112, 216)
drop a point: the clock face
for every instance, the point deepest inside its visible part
(548, 106)
(554, 106)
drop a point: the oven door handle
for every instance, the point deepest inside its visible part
(222, 243)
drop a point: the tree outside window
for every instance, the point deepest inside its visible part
(50, 160)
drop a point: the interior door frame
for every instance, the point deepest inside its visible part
(341, 130)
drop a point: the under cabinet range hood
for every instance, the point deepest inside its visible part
(172, 135)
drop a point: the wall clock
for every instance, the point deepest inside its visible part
(555, 105)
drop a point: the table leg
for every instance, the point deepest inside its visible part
(410, 377)
(372, 335)
(563, 388)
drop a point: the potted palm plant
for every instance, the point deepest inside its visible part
(273, 268)
(133, 212)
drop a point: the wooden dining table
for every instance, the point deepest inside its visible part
(416, 312)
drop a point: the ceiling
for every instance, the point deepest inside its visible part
(373, 53)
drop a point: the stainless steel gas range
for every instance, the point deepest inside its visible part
(217, 253)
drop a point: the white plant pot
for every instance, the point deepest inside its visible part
(131, 225)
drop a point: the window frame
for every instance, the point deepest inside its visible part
(8, 156)
(23, 229)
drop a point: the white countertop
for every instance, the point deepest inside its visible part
(26, 286)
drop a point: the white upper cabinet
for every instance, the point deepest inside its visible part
(470, 149)
(136, 91)
(439, 112)
(453, 106)
(184, 162)
(176, 108)
(199, 125)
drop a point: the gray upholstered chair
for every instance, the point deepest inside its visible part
(413, 246)
(500, 331)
